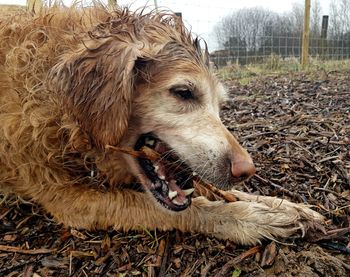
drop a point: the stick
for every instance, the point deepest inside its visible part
(15, 249)
(148, 153)
(236, 260)
(160, 253)
(280, 188)
(229, 197)
(145, 152)
(163, 265)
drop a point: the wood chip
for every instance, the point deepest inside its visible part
(269, 255)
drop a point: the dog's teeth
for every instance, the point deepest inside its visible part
(165, 189)
(188, 191)
(162, 177)
(172, 194)
(149, 141)
(178, 203)
(156, 168)
(194, 173)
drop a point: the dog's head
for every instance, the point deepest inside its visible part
(141, 80)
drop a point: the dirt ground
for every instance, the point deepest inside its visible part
(297, 129)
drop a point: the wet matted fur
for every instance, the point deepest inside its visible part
(75, 80)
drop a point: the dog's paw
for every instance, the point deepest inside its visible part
(303, 210)
(273, 214)
(254, 218)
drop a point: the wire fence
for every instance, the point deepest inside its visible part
(254, 48)
(238, 51)
(254, 40)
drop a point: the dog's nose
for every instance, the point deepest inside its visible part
(241, 168)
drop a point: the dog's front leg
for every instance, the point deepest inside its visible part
(84, 207)
(244, 222)
(88, 208)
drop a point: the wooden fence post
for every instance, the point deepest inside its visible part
(112, 3)
(306, 35)
(34, 5)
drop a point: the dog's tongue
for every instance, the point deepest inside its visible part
(160, 147)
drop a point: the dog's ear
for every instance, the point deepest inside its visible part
(96, 84)
(203, 53)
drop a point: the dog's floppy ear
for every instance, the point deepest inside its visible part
(96, 84)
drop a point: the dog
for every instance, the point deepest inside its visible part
(76, 80)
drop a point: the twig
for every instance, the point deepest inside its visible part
(205, 269)
(236, 260)
(165, 254)
(110, 252)
(15, 249)
(336, 246)
(229, 197)
(282, 189)
(331, 191)
(251, 136)
(12, 267)
(340, 232)
(246, 254)
(160, 253)
(331, 235)
(143, 153)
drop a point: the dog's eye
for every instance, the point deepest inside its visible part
(183, 93)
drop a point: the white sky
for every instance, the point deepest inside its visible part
(202, 15)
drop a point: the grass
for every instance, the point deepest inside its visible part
(154, 241)
(11, 8)
(276, 65)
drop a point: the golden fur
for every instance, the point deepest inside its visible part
(74, 80)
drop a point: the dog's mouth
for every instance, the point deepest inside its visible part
(168, 178)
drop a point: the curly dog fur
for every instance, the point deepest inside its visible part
(74, 80)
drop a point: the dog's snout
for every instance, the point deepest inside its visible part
(242, 168)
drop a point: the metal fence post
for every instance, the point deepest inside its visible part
(324, 31)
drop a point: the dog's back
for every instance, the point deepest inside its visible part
(29, 113)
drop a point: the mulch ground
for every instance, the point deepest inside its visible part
(297, 129)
